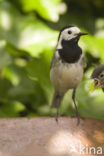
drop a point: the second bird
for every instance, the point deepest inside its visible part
(67, 66)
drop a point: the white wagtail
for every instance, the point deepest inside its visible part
(67, 66)
(98, 77)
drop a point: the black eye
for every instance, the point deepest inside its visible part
(69, 32)
(101, 75)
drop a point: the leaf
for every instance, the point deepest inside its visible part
(47, 9)
(38, 70)
(94, 46)
(11, 109)
(5, 58)
(20, 81)
(38, 39)
(25, 33)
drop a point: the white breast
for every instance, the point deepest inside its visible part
(66, 76)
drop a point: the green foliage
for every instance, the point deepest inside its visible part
(46, 9)
(28, 36)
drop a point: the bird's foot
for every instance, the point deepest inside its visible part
(74, 116)
(78, 118)
(56, 116)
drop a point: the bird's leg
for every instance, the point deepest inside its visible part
(57, 108)
(57, 114)
(77, 113)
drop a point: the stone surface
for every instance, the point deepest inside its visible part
(42, 136)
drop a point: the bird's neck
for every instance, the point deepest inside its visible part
(69, 43)
(66, 43)
(69, 51)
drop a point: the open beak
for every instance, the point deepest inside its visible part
(96, 84)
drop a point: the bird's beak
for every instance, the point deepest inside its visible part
(81, 34)
(96, 83)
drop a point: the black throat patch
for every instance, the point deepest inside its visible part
(70, 52)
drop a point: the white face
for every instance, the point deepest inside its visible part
(70, 33)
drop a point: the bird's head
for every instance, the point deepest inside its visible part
(98, 77)
(69, 33)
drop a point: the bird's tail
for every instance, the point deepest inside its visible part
(56, 100)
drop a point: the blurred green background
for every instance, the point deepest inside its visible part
(28, 35)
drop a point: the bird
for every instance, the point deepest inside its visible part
(98, 77)
(67, 66)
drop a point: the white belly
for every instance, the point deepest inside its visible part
(66, 76)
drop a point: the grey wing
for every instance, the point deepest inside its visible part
(54, 59)
(83, 61)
